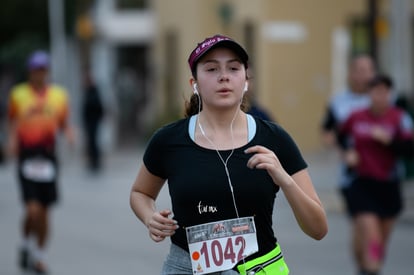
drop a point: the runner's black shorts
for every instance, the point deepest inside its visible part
(367, 195)
(43, 191)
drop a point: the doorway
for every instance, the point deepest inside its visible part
(131, 92)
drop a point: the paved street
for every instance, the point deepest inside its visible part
(94, 232)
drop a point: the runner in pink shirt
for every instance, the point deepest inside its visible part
(373, 140)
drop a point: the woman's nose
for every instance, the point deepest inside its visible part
(223, 76)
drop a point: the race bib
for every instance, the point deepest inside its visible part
(38, 170)
(220, 245)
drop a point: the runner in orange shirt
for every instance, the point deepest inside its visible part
(37, 110)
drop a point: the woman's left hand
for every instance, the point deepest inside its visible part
(266, 159)
(380, 134)
(298, 190)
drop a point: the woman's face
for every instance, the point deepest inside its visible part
(361, 72)
(380, 97)
(221, 78)
(38, 76)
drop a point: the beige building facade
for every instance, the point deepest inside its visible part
(299, 51)
(291, 46)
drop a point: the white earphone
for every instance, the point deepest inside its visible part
(246, 87)
(195, 91)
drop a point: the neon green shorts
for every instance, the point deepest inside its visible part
(271, 263)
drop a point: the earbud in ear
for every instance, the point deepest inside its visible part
(195, 91)
(246, 87)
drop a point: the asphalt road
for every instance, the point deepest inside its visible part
(94, 232)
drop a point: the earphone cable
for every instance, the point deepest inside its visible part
(221, 158)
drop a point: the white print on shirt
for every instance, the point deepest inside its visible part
(365, 128)
(206, 208)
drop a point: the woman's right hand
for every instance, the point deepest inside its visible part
(351, 158)
(161, 226)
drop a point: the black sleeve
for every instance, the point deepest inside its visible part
(153, 159)
(342, 140)
(403, 142)
(403, 148)
(329, 121)
(288, 152)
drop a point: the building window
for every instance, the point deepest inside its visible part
(412, 50)
(360, 37)
(171, 80)
(249, 38)
(131, 4)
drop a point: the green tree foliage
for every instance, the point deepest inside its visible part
(24, 27)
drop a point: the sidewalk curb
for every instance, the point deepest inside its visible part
(407, 215)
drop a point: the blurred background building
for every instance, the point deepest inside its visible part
(137, 50)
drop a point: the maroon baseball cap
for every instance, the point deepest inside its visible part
(213, 42)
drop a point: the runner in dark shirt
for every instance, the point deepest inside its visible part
(224, 169)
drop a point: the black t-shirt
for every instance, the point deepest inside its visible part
(198, 184)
